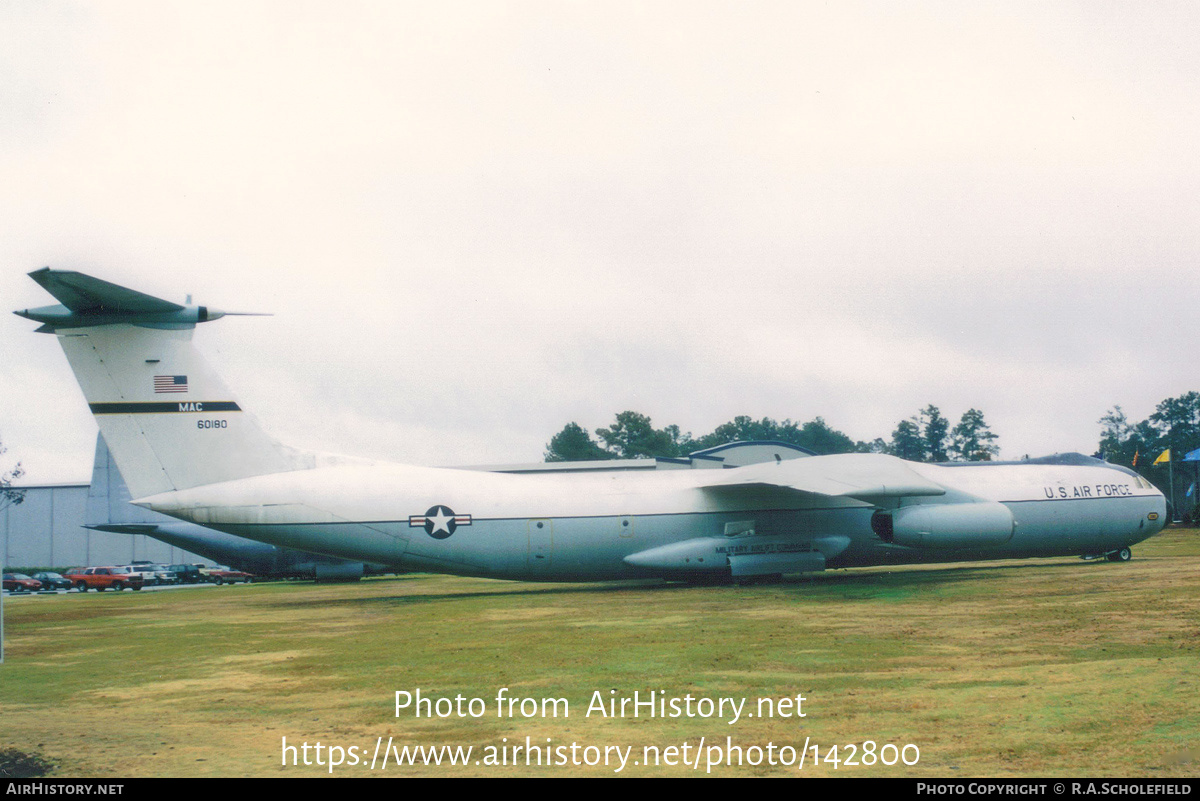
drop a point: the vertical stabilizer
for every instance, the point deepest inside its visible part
(108, 501)
(169, 420)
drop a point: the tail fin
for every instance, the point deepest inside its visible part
(108, 499)
(169, 420)
(109, 504)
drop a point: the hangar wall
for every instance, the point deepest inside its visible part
(46, 530)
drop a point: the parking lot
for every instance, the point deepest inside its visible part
(7, 594)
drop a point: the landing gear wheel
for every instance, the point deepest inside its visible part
(1123, 555)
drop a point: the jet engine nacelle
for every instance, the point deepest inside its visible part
(946, 525)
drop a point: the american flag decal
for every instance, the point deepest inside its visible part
(170, 383)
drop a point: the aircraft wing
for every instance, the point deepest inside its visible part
(867, 477)
(82, 293)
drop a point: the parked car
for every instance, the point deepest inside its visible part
(146, 572)
(223, 575)
(163, 574)
(187, 574)
(19, 582)
(53, 581)
(102, 578)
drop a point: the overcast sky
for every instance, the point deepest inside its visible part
(476, 222)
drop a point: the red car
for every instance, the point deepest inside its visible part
(103, 578)
(220, 575)
(19, 582)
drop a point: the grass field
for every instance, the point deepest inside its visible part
(1050, 667)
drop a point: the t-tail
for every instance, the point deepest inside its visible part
(168, 418)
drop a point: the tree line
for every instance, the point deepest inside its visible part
(927, 436)
(1174, 426)
(924, 437)
(1150, 446)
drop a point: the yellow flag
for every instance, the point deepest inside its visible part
(1165, 456)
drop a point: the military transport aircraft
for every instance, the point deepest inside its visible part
(187, 449)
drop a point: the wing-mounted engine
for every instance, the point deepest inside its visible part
(945, 525)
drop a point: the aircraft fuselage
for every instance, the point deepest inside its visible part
(584, 526)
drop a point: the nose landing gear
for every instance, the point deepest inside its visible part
(1119, 555)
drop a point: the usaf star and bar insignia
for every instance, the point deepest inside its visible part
(439, 522)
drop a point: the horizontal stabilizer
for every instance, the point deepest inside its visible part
(83, 293)
(87, 302)
(123, 528)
